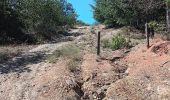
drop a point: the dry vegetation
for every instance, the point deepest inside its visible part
(71, 53)
(7, 52)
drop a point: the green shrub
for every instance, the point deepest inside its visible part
(153, 24)
(116, 43)
(158, 27)
(44, 17)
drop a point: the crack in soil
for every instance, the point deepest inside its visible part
(101, 88)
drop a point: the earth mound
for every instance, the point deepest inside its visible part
(160, 48)
(148, 74)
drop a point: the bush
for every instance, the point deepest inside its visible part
(158, 27)
(71, 53)
(116, 43)
(43, 17)
(73, 64)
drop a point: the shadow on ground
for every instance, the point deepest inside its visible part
(20, 63)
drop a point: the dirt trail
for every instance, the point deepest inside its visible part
(98, 74)
(126, 74)
(30, 77)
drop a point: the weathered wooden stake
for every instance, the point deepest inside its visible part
(98, 44)
(152, 34)
(147, 34)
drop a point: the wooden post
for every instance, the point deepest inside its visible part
(98, 44)
(147, 34)
(152, 34)
(168, 16)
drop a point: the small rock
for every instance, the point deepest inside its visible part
(99, 91)
(86, 78)
(105, 87)
(71, 83)
(98, 60)
(107, 83)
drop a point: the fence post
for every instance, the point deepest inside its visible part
(98, 44)
(152, 32)
(147, 34)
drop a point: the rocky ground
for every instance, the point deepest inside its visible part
(127, 74)
(148, 74)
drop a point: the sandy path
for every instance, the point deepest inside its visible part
(21, 77)
(30, 77)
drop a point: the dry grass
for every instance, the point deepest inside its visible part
(71, 53)
(7, 52)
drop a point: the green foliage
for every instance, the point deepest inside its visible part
(128, 12)
(10, 24)
(158, 27)
(116, 43)
(167, 0)
(46, 17)
(153, 24)
(111, 12)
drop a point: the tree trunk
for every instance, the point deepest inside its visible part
(168, 19)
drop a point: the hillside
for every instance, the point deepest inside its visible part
(71, 70)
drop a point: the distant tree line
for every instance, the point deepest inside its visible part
(131, 12)
(81, 23)
(27, 20)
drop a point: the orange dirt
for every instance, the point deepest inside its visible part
(150, 62)
(148, 74)
(91, 66)
(98, 74)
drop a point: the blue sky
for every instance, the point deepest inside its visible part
(84, 10)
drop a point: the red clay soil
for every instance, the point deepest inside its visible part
(97, 76)
(90, 65)
(152, 61)
(149, 74)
